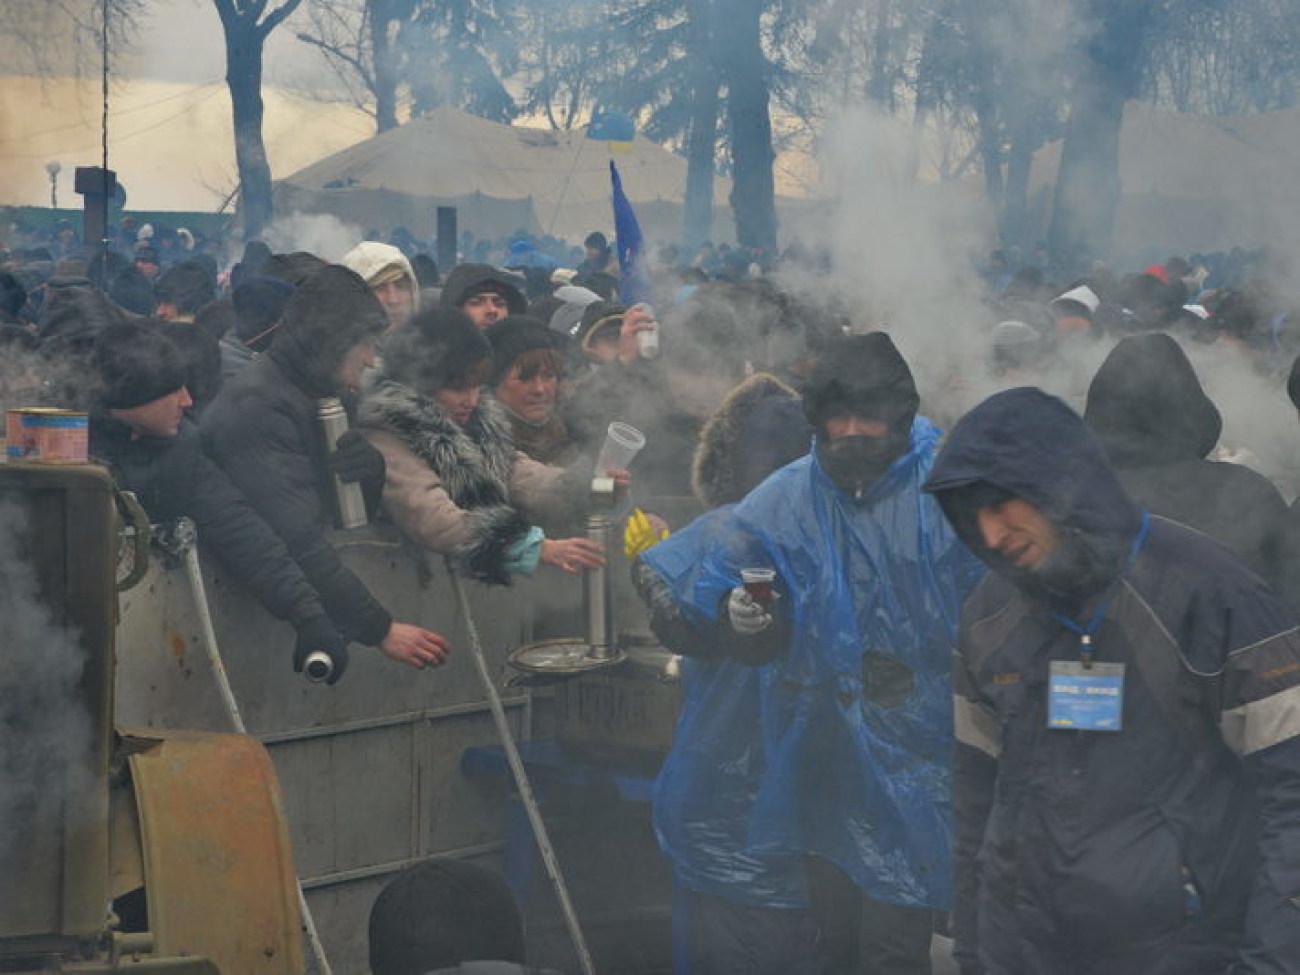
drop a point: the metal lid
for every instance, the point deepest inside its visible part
(564, 656)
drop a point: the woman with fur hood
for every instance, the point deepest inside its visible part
(455, 481)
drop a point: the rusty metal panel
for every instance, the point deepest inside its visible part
(219, 874)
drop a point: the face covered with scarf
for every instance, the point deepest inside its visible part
(861, 399)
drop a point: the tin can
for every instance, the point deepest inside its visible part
(44, 435)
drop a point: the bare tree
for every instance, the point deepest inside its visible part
(246, 24)
(358, 39)
(64, 37)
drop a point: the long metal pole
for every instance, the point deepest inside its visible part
(522, 783)
(195, 572)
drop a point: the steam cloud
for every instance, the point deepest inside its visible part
(45, 731)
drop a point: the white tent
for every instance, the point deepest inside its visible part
(502, 178)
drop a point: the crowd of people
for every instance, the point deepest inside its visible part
(1041, 671)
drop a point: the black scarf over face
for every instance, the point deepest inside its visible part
(863, 375)
(855, 463)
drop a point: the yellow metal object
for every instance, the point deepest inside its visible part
(640, 535)
(218, 869)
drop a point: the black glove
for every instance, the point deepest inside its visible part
(319, 635)
(356, 459)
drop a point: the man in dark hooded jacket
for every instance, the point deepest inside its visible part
(485, 293)
(1148, 409)
(264, 429)
(1127, 693)
(139, 431)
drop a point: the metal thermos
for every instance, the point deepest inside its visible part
(597, 593)
(351, 503)
(319, 666)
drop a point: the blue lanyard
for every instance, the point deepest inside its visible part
(1086, 632)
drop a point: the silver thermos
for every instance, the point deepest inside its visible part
(351, 503)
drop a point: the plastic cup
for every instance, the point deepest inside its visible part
(758, 583)
(622, 443)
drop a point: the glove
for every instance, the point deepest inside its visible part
(747, 617)
(639, 535)
(357, 460)
(319, 635)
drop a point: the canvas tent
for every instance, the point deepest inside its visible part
(502, 178)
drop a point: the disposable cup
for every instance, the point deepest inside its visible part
(622, 443)
(758, 583)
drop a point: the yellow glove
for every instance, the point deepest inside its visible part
(640, 535)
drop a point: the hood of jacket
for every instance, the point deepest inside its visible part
(758, 428)
(1025, 444)
(468, 279)
(330, 313)
(473, 461)
(375, 261)
(1146, 404)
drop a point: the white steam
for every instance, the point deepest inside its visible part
(45, 744)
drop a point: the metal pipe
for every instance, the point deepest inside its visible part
(597, 593)
(200, 593)
(525, 787)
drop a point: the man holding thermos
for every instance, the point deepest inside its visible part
(265, 429)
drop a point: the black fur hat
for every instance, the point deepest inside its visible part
(436, 349)
(514, 335)
(135, 363)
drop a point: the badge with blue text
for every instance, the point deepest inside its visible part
(1085, 698)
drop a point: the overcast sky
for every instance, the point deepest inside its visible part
(181, 40)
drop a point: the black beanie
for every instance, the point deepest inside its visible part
(511, 337)
(441, 913)
(436, 349)
(135, 363)
(863, 374)
(259, 303)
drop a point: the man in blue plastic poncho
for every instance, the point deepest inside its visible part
(854, 657)
(1127, 783)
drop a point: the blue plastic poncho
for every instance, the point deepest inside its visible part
(856, 717)
(706, 787)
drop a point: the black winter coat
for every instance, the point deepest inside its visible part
(1173, 845)
(1148, 410)
(264, 431)
(172, 477)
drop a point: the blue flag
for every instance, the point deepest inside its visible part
(633, 285)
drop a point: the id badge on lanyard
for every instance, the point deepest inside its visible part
(1085, 697)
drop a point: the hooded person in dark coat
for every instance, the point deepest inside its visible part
(139, 431)
(1127, 694)
(485, 293)
(264, 430)
(1148, 409)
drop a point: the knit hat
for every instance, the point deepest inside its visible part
(259, 303)
(441, 913)
(864, 374)
(435, 350)
(511, 337)
(135, 363)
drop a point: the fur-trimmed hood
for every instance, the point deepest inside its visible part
(759, 427)
(473, 461)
